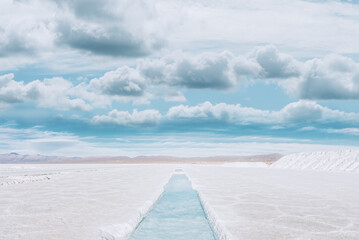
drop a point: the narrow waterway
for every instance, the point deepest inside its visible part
(177, 215)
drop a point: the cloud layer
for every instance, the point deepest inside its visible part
(38, 141)
(44, 31)
(107, 28)
(124, 81)
(296, 113)
(333, 77)
(47, 32)
(55, 93)
(144, 118)
(120, 68)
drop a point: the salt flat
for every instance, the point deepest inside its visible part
(107, 201)
(260, 203)
(76, 201)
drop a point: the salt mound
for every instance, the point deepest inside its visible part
(346, 160)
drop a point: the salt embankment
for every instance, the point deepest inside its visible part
(346, 160)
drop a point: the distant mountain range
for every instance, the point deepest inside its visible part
(18, 158)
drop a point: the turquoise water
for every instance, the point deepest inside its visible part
(177, 215)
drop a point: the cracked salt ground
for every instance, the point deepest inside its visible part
(178, 214)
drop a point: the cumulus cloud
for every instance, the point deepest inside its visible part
(55, 92)
(124, 81)
(131, 28)
(97, 40)
(333, 77)
(12, 44)
(89, 9)
(114, 28)
(274, 64)
(12, 91)
(124, 84)
(233, 113)
(218, 71)
(52, 92)
(306, 111)
(294, 113)
(49, 29)
(208, 70)
(302, 111)
(25, 29)
(144, 118)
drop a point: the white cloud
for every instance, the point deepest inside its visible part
(5, 79)
(350, 131)
(309, 128)
(302, 111)
(145, 118)
(222, 111)
(25, 28)
(106, 28)
(37, 141)
(76, 35)
(124, 81)
(61, 34)
(124, 84)
(53, 93)
(219, 71)
(294, 113)
(174, 96)
(275, 64)
(307, 28)
(333, 77)
(207, 70)
(112, 28)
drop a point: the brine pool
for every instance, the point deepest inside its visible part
(177, 215)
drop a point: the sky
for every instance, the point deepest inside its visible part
(178, 77)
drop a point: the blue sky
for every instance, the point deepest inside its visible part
(183, 78)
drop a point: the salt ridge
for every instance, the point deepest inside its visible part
(124, 231)
(346, 160)
(11, 180)
(215, 222)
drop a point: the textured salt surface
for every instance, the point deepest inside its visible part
(262, 203)
(9, 180)
(77, 202)
(346, 160)
(107, 201)
(177, 215)
(247, 164)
